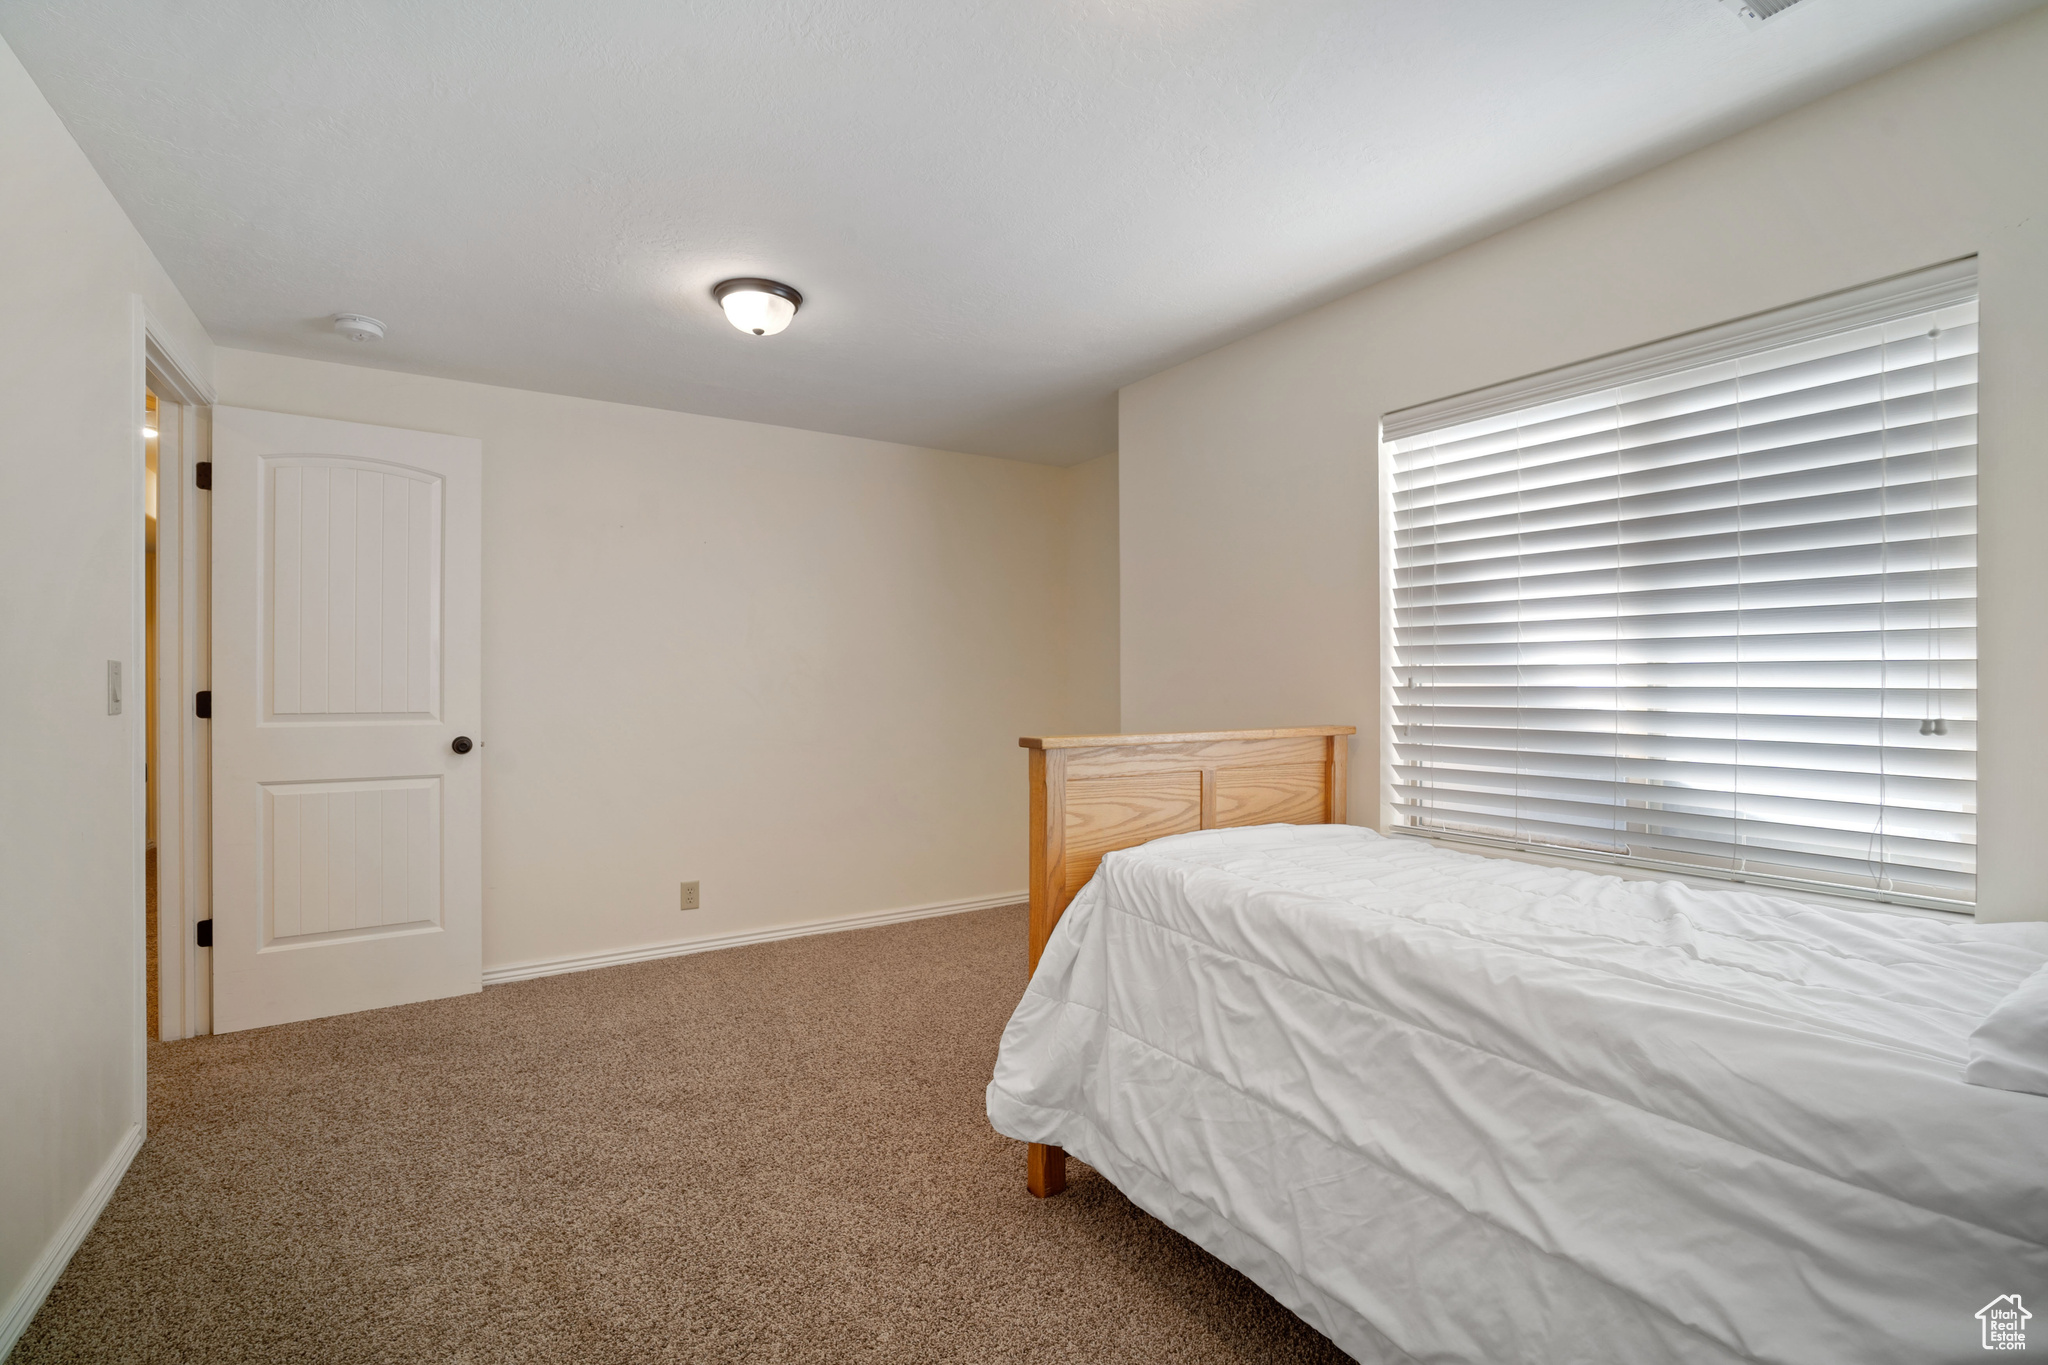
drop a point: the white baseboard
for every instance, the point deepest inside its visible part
(21, 1309)
(583, 962)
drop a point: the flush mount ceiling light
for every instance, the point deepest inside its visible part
(763, 307)
(356, 327)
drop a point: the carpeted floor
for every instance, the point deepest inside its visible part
(774, 1153)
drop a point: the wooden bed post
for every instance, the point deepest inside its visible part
(1048, 845)
(1045, 1168)
(1093, 794)
(1340, 780)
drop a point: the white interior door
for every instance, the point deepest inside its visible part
(347, 827)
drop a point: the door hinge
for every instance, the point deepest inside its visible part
(202, 474)
(205, 934)
(202, 705)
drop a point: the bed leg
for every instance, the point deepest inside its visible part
(1045, 1170)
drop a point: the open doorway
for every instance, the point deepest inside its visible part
(175, 829)
(152, 447)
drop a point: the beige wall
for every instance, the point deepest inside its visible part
(71, 461)
(1250, 590)
(789, 665)
(1093, 685)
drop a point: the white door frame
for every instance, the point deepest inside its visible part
(184, 835)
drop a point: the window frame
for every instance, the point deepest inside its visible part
(1896, 296)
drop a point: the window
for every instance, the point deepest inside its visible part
(1709, 606)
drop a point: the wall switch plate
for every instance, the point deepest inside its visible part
(689, 895)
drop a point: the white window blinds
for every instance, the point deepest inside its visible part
(1709, 606)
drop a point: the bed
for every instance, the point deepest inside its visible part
(1456, 1108)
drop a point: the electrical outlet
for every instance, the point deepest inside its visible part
(689, 895)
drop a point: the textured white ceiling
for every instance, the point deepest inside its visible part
(999, 211)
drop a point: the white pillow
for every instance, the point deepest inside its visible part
(2009, 1050)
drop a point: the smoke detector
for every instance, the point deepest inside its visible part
(1755, 12)
(356, 327)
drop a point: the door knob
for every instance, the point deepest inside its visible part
(463, 744)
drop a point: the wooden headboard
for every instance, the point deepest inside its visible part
(1094, 794)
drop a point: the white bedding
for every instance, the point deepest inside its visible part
(1452, 1108)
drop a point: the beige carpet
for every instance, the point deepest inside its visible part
(774, 1153)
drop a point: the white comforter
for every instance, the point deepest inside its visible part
(1452, 1108)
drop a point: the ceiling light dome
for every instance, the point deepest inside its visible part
(762, 307)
